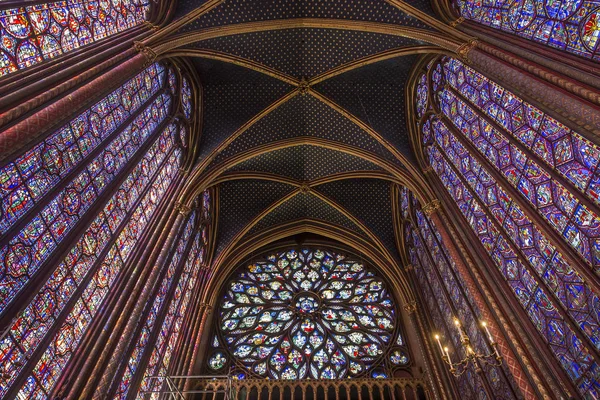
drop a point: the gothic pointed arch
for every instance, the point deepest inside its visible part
(525, 186)
(75, 208)
(571, 26)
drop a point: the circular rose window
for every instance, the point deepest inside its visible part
(307, 314)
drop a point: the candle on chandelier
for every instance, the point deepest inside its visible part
(484, 324)
(460, 331)
(447, 354)
(437, 337)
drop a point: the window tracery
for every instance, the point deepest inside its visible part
(40, 32)
(447, 296)
(122, 146)
(171, 323)
(570, 25)
(488, 144)
(307, 313)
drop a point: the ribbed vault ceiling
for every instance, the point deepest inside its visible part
(304, 123)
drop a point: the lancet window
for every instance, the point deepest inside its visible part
(527, 186)
(168, 323)
(74, 208)
(39, 32)
(447, 297)
(570, 25)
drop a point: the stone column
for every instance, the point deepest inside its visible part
(433, 211)
(35, 126)
(578, 109)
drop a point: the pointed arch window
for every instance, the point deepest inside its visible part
(446, 296)
(169, 323)
(33, 34)
(570, 25)
(111, 165)
(525, 185)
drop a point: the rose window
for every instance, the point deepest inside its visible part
(306, 314)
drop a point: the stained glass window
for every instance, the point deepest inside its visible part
(26, 180)
(186, 98)
(170, 329)
(116, 147)
(485, 128)
(87, 274)
(151, 183)
(159, 301)
(306, 313)
(40, 32)
(571, 25)
(422, 96)
(85, 159)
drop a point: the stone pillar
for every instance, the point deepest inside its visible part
(433, 211)
(35, 126)
(136, 304)
(580, 110)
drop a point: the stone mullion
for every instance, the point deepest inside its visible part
(505, 349)
(437, 274)
(499, 310)
(33, 86)
(551, 296)
(22, 76)
(206, 315)
(68, 178)
(133, 307)
(562, 62)
(172, 327)
(190, 328)
(572, 110)
(80, 373)
(468, 301)
(445, 328)
(189, 351)
(19, 135)
(571, 256)
(150, 346)
(158, 321)
(23, 298)
(60, 255)
(422, 320)
(581, 197)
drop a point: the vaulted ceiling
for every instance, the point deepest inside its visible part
(304, 111)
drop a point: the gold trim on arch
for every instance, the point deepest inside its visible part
(375, 58)
(431, 37)
(231, 59)
(405, 178)
(264, 176)
(226, 262)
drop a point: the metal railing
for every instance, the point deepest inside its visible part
(173, 386)
(204, 387)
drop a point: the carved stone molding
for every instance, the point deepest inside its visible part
(184, 172)
(148, 52)
(465, 48)
(410, 307)
(432, 207)
(151, 25)
(303, 86)
(428, 170)
(183, 209)
(457, 21)
(305, 188)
